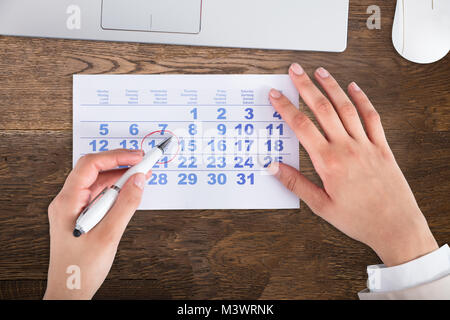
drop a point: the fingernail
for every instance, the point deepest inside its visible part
(297, 69)
(355, 86)
(273, 168)
(136, 151)
(275, 93)
(139, 181)
(323, 73)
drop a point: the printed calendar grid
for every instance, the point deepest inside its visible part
(241, 138)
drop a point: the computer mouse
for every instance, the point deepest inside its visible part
(421, 29)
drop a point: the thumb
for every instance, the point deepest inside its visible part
(316, 198)
(130, 196)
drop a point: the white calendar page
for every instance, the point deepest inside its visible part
(225, 129)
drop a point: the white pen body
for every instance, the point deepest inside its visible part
(104, 202)
(97, 210)
(150, 159)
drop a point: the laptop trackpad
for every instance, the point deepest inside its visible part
(152, 15)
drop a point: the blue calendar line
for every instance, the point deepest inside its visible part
(189, 137)
(220, 154)
(230, 154)
(178, 121)
(176, 105)
(215, 171)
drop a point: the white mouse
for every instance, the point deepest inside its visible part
(421, 30)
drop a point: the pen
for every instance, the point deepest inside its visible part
(99, 207)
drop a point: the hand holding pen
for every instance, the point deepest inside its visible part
(94, 251)
(99, 207)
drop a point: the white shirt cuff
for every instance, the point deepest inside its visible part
(430, 267)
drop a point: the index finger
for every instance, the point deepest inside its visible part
(321, 107)
(89, 166)
(305, 130)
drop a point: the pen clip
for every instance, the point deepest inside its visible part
(93, 201)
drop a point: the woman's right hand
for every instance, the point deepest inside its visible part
(364, 193)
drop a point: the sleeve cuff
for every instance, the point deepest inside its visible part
(425, 269)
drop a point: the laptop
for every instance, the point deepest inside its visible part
(318, 25)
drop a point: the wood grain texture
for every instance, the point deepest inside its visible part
(211, 254)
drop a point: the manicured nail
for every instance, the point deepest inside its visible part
(139, 181)
(323, 73)
(355, 86)
(275, 93)
(297, 69)
(273, 168)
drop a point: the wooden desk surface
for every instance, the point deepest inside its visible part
(211, 254)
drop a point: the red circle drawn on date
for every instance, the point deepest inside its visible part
(161, 131)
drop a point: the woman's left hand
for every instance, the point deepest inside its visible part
(78, 266)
